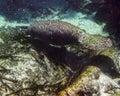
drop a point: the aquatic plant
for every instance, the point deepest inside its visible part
(33, 72)
(11, 39)
(90, 81)
(21, 69)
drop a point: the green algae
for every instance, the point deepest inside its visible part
(116, 94)
(18, 64)
(83, 78)
(13, 47)
(11, 41)
(110, 52)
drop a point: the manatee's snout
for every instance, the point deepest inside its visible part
(104, 43)
(108, 42)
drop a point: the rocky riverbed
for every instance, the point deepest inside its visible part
(44, 70)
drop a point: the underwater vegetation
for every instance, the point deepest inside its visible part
(84, 84)
(34, 65)
(51, 32)
(22, 68)
(59, 54)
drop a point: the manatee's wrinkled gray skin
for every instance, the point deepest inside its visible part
(53, 32)
(62, 33)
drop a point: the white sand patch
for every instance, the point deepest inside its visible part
(85, 23)
(4, 23)
(76, 18)
(81, 20)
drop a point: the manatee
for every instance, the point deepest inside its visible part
(62, 33)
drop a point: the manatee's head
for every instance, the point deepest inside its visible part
(96, 42)
(104, 43)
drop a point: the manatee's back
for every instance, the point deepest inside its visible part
(53, 32)
(62, 33)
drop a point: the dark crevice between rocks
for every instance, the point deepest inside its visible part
(60, 55)
(106, 64)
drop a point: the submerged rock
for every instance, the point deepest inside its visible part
(63, 33)
(24, 71)
(28, 71)
(92, 81)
